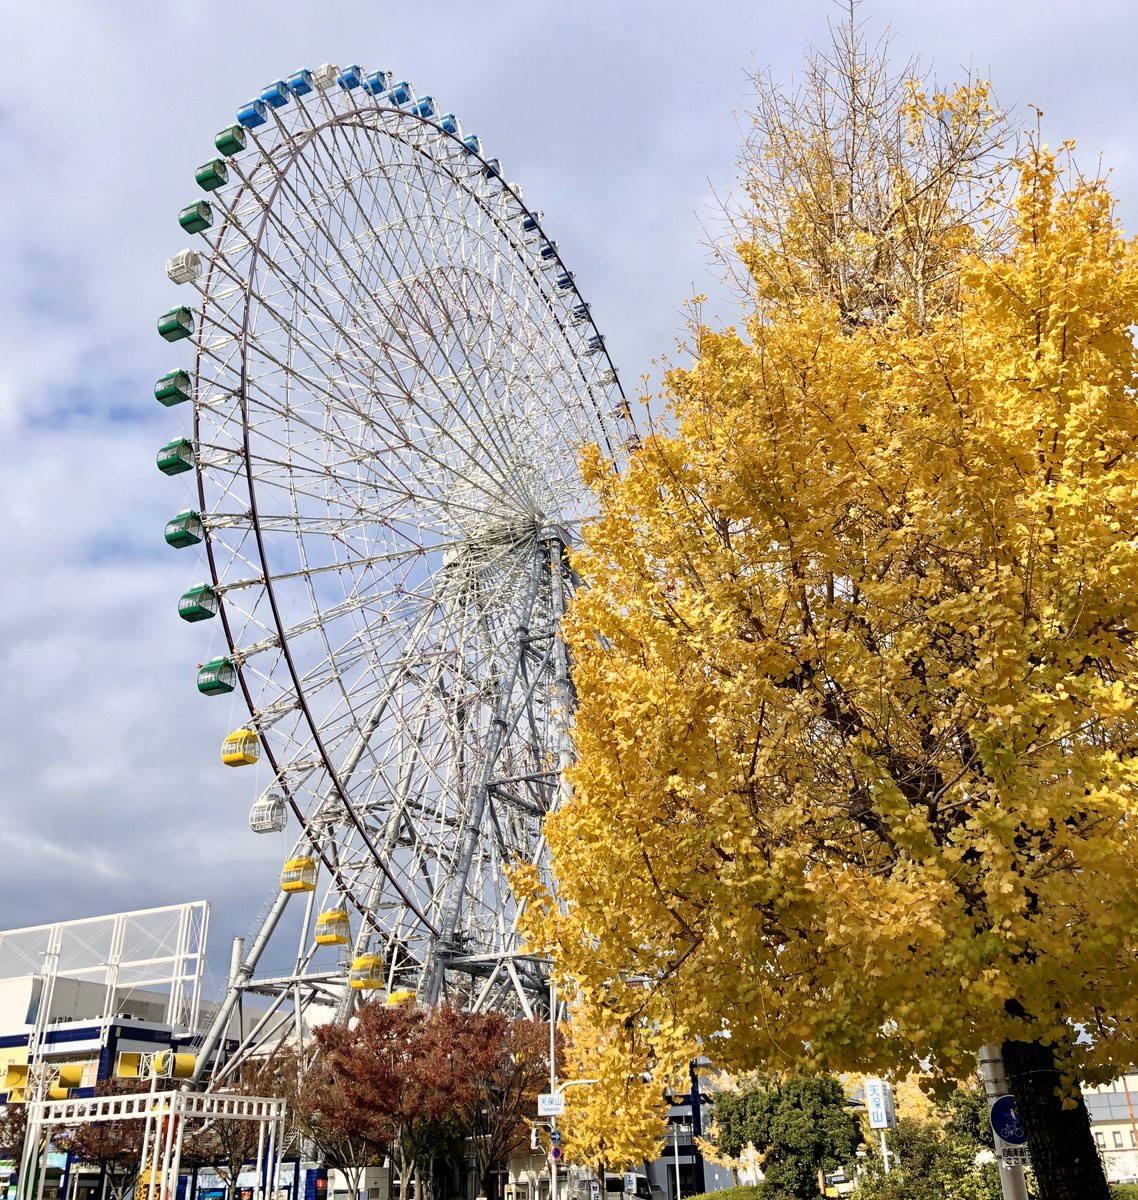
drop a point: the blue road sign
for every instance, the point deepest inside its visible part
(555, 1137)
(1005, 1121)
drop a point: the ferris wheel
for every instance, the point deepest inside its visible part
(394, 376)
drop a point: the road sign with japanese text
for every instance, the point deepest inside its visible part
(879, 1104)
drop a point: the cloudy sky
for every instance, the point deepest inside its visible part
(621, 120)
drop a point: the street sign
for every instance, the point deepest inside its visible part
(555, 1137)
(550, 1104)
(555, 1153)
(879, 1104)
(1005, 1122)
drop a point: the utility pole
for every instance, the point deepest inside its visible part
(995, 1087)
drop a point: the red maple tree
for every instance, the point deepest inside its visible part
(423, 1080)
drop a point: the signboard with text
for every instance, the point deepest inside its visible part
(1011, 1141)
(879, 1104)
(550, 1104)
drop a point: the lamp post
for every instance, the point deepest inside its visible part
(676, 1156)
(559, 1090)
(555, 1088)
(996, 1085)
(552, 1080)
(687, 1128)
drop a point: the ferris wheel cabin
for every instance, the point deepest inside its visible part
(200, 603)
(299, 875)
(217, 677)
(241, 748)
(175, 387)
(184, 529)
(368, 973)
(332, 928)
(268, 814)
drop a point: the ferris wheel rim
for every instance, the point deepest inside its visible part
(298, 686)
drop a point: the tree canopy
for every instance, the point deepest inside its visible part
(855, 659)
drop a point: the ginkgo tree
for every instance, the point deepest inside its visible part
(614, 1117)
(856, 650)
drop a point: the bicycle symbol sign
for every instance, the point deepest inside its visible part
(1006, 1123)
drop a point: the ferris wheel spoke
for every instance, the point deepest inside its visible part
(360, 563)
(484, 308)
(229, 322)
(357, 283)
(401, 434)
(391, 481)
(395, 266)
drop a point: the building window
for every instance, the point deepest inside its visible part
(1133, 1140)
(1117, 1140)
(1100, 1140)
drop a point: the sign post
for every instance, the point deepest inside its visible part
(1011, 1143)
(551, 1104)
(879, 1105)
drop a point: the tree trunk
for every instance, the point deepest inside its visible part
(1063, 1152)
(353, 1175)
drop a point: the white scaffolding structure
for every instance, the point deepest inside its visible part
(149, 947)
(166, 1114)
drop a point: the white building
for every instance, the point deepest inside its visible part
(1113, 1109)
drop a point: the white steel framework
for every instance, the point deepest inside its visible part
(395, 378)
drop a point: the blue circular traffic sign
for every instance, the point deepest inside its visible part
(1005, 1121)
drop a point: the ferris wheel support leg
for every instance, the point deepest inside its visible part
(244, 973)
(448, 922)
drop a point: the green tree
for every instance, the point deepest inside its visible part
(799, 1125)
(930, 1163)
(966, 1117)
